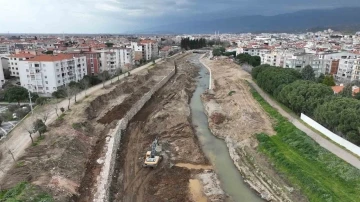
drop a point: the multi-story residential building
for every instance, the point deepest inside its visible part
(14, 62)
(300, 60)
(4, 49)
(47, 73)
(92, 60)
(113, 59)
(138, 51)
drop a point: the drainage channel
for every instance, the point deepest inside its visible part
(214, 148)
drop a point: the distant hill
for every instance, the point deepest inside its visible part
(290, 22)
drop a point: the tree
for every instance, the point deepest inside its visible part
(44, 115)
(16, 94)
(60, 93)
(30, 129)
(304, 96)
(307, 73)
(321, 78)
(341, 115)
(357, 96)
(329, 80)
(104, 76)
(56, 107)
(347, 91)
(108, 44)
(218, 51)
(84, 84)
(39, 126)
(256, 70)
(41, 101)
(93, 80)
(273, 79)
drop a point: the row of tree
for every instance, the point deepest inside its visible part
(302, 92)
(189, 44)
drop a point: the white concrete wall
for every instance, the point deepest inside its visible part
(104, 180)
(341, 141)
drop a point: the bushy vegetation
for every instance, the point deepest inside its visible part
(342, 115)
(189, 44)
(273, 79)
(303, 93)
(218, 51)
(304, 96)
(24, 192)
(246, 58)
(319, 174)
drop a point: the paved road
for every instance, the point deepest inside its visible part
(18, 139)
(325, 143)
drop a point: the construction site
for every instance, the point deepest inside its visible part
(70, 162)
(158, 135)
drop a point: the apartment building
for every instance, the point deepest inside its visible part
(342, 65)
(14, 62)
(113, 59)
(4, 49)
(300, 60)
(93, 61)
(45, 74)
(145, 50)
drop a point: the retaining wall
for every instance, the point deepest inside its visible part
(341, 141)
(211, 87)
(104, 180)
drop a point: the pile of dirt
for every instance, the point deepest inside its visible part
(167, 117)
(244, 119)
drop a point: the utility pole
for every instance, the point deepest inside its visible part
(30, 103)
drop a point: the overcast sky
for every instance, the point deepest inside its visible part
(120, 16)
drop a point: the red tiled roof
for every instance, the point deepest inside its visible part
(51, 58)
(22, 55)
(337, 89)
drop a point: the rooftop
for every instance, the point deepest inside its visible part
(51, 58)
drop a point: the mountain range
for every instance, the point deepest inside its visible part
(299, 21)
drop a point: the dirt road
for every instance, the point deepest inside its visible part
(166, 116)
(18, 140)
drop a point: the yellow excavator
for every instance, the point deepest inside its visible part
(152, 158)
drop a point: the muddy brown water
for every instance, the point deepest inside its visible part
(214, 148)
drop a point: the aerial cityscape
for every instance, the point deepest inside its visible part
(206, 101)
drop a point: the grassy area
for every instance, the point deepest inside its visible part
(24, 192)
(319, 174)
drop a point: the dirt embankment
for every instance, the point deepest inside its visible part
(236, 117)
(166, 116)
(64, 163)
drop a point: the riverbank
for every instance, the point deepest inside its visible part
(235, 116)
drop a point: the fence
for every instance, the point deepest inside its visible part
(341, 141)
(105, 178)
